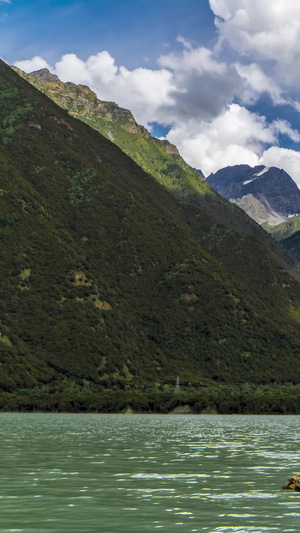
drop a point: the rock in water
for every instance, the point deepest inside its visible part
(293, 483)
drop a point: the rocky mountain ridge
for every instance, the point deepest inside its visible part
(111, 282)
(81, 102)
(268, 195)
(157, 157)
(78, 98)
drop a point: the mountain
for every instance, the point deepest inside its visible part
(108, 281)
(158, 157)
(292, 244)
(288, 234)
(216, 219)
(286, 229)
(268, 195)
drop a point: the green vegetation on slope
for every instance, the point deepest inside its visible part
(216, 219)
(159, 158)
(288, 235)
(285, 229)
(292, 244)
(109, 282)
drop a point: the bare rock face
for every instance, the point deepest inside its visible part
(169, 148)
(182, 410)
(272, 187)
(44, 75)
(293, 483)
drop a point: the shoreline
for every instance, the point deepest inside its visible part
(146, 413)
(207, 400)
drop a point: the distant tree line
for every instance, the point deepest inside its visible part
(223, 399)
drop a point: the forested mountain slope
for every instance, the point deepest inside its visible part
(108, 280)
(215, 220)
(158, 157)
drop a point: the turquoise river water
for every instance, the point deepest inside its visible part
(68, 473)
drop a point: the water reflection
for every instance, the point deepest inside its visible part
(106, 473)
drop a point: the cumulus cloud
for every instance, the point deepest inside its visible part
(237, 136)
(194, 90)
(257, 82)
(29, 65)
(188, 84)
(98, 69)
(198, 60)
(284, 158)
(203, 85)
(142, 90)
(258, 28)
(261, 30)
(283, 127)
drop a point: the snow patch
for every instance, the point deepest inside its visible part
(257, 175)
(266, 169)
(291, 216)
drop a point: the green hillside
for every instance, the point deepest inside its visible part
(108, 281)
(160, 158)
(215, 220)
(285, 229)
(292, 244)
(288, 235)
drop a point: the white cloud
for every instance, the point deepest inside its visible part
(71, 68)
(203, 85)
(193, 90)
(257, 82)
(198, 60)
(5, 1)
(97, 69)
(29, 65)
(142, 90)
(186, 44)
(258, 28)
(237, 136)
(284, 158)
(283, 127)
(188, 84)
(261, 30)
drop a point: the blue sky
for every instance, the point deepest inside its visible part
(218, 78)
(135, 32)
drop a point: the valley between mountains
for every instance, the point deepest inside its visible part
(121, 269)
